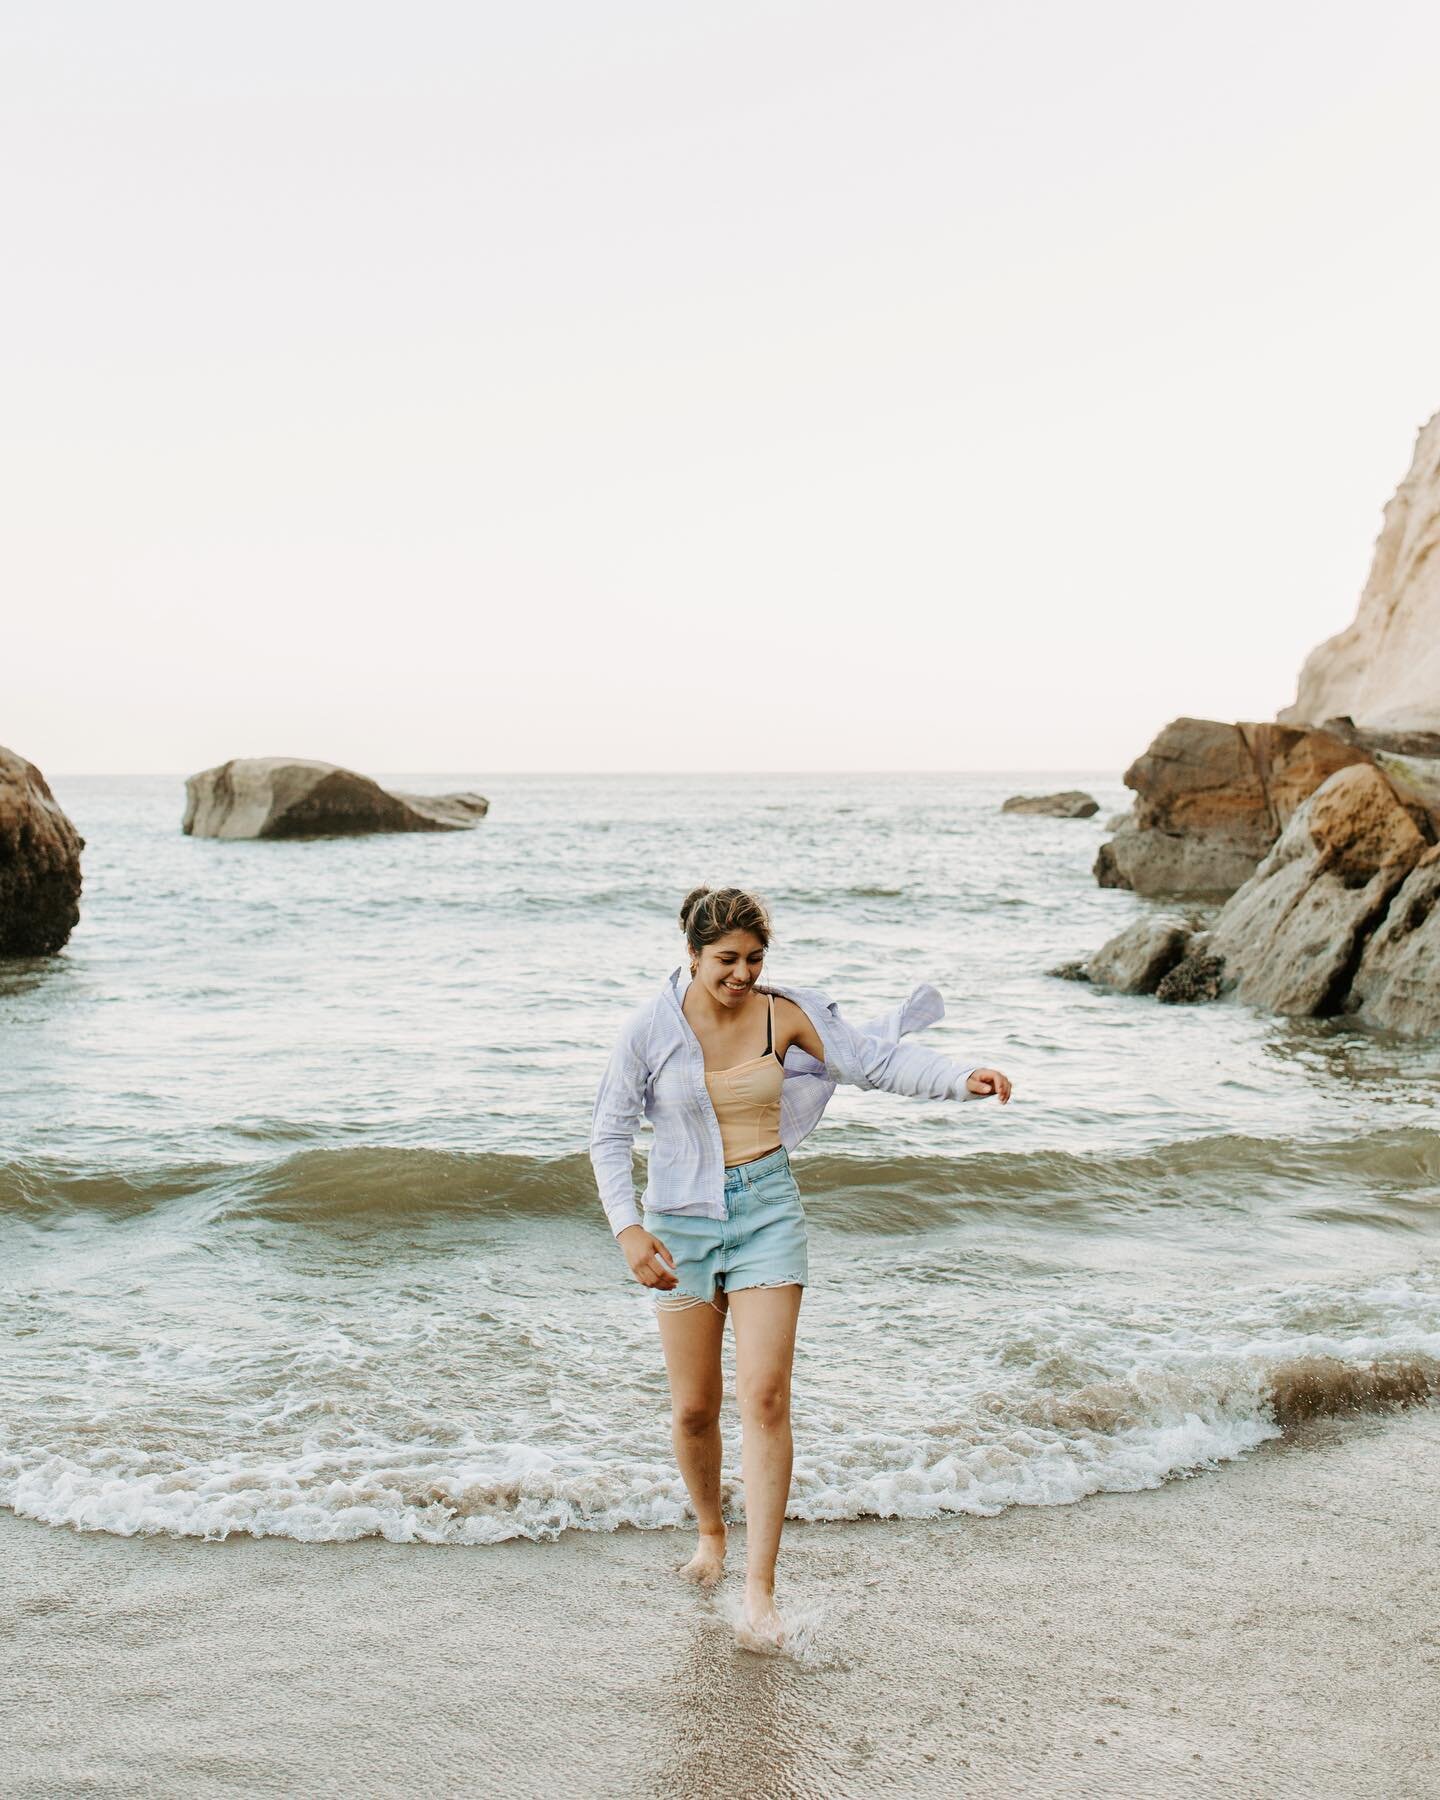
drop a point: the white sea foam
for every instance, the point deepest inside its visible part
(1077, 1400)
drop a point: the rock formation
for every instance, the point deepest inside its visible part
(1072, 804)
(1197, 976)
(1291, 939)
(1212, 799)
(1383, 671)
(281, 797)
(1341, 916)
(1324, 828)
(39, 863)
(1136, 959)
(1398, 981)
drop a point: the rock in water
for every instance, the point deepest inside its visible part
(1135, 959)
(1398, 982)
(1292, 937)
(1072, 804)
(1197, 976)
(1212, 800)
(283, 797)
(1384, 669)
(39, 863)
(1070, 971)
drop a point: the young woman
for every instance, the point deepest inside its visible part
(732, 1074)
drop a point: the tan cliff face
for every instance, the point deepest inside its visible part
(1384, 669)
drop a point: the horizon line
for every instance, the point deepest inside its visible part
(590, 774)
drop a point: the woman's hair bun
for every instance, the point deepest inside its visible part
(689, 903)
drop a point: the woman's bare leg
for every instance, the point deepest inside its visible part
(765, 1320)
(691, 1338)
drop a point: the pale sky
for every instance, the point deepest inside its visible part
(802, 385)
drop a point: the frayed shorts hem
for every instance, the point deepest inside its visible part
(668, 1300)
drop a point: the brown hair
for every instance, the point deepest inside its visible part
(706, 914)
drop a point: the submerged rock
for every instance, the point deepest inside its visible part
(1072, 804)
(1135, 959)
(39, 863)
(1383, 670)
(283, 797)
(1212, 799)
(1292, 937)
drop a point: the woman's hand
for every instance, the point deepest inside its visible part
(989, 1081)
(640, 1248)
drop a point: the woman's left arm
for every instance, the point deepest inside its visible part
(901, 1068)
(896, 1066)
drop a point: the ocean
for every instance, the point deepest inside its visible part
(299, 1236)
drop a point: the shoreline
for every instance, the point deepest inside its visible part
(1264, 1628)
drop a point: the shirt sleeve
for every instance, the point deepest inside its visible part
(901, 1068)
(619, 1107)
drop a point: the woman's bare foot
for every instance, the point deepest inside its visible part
(707, 1565)
(761, 1619)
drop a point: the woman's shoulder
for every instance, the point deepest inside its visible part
(785, 1007)
(801, 999)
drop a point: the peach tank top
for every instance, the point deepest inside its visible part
(746, 1098)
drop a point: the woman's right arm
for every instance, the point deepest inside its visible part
(619, 1107)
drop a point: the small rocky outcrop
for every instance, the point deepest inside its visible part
(1136, 959)
(1397, 984)
(283, 797)
(1212, 799)
(39, 863)
(1199, 975)
(1292, 937)
(1072, 804)
(1384, 669)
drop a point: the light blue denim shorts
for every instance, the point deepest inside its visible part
(761, 1244)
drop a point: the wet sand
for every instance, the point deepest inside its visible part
(1270, 1628)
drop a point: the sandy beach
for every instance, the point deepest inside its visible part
(1268, 1628)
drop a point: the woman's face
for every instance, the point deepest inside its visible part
(730, 967)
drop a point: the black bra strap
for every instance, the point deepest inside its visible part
(770, 1028)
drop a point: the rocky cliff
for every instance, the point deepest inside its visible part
(1383, 671)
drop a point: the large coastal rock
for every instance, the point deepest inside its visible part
(1072, 804)
(283, 797)
(39, 863)
(1341, 916)
(1398, 982)
(1292, 937)
(1211, 800)
(1383, 671)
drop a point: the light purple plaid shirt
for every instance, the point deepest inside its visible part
(657, 1069)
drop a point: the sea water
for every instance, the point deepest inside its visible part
(298, 1233)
